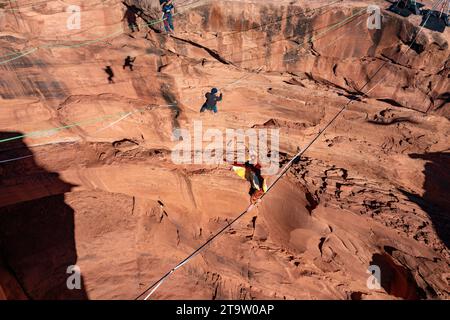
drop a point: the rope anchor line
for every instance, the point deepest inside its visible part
(297, 157)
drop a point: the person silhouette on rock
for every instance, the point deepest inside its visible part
(129, 63)
(131, 15)
(110, 74)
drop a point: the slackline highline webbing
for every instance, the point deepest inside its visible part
(41, 133)
(85, 43)
(296, 158)
(88, 121)
(21, 54)
(125, 114)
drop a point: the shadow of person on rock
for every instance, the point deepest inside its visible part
(131, 14)
(109, 71)
(129, 62)
(37, 238)
(435, 200)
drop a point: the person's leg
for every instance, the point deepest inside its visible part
(214, 109)
(256, 196)
(166, 22)
(170, 20)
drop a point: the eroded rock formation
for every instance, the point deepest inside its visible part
(86, 175)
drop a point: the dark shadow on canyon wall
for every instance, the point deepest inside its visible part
(397, 280)
(405, 8)
(37, 240)
(435, 200)
(434, 20)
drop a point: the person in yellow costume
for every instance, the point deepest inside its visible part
(252, 173)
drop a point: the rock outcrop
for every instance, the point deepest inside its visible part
(87, 178)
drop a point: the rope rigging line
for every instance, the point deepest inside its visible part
(123, 114)
(296, 158)
(312, 37)
(85, 43)
(285, 169)
(40, 133)
(19, 55)
(94, 120)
